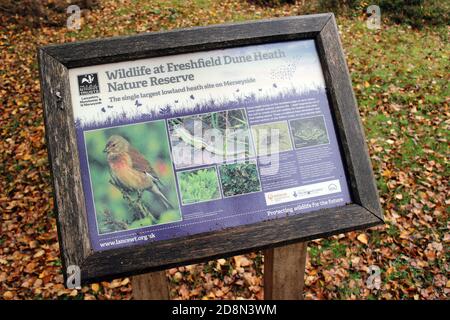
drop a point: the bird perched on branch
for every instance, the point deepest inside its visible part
(131, 170)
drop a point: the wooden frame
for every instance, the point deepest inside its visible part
(56, 60)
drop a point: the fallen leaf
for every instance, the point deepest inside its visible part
(95, 287)
(363, 238)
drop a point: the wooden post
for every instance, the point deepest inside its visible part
(150, 286)
(284, 270)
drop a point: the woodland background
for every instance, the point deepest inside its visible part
(400, 76)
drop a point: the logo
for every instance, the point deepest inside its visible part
(88, 84)
(73, 277)
(374, 20)
(74, 20)
(332, 187)
(374, 279)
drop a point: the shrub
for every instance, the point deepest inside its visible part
(239, 178)
(271, 3)
(416, 13)
(341, 6)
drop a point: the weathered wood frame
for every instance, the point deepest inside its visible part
(55, 62)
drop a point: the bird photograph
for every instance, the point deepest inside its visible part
(130, 169)
(132, 179)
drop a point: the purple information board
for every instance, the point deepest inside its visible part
(191, 143)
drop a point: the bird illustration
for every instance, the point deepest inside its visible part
(131, 170)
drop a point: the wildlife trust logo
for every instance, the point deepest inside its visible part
(88, 84)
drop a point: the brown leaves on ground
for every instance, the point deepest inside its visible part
(234, 278)
(400, 78)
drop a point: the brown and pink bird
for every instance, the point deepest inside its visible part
(131, 170)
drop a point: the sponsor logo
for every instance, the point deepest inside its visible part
(88, 84)
(303, 192)
(332, 187)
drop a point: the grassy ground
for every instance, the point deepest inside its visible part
(400, 78)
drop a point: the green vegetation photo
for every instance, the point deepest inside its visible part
(239, 178)
(198, 185)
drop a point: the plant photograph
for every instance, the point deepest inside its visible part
(239, 178)
(263, 135)
(132, 178)
(309, 132)
(210, 138)
(198, 185)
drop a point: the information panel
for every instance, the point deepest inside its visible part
(192, 143)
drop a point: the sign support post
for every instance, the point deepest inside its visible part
(150, 286)
(284, 271)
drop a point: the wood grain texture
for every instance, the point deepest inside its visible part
(154, 256)
(284, 272)
(347, 120)
(150, 286)
(225, 243)
(156, 44)
(63, 157)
